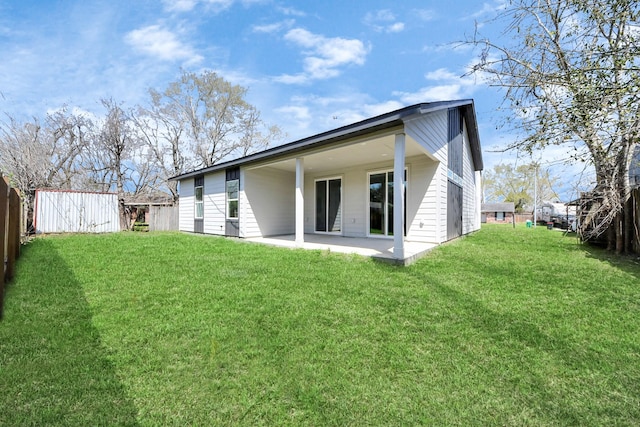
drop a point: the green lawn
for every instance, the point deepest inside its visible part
(504, 327)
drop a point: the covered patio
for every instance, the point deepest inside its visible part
(380, 249)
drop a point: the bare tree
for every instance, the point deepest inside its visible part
(162, 128)
(110, 159)
(218, 121)
(571, 73)
(37, 155)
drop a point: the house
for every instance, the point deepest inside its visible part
(342, 183)
(501, 213)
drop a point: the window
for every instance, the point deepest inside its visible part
(233, 188)
(199, 190)
(329, 205)
(499, 216)
(381, 203)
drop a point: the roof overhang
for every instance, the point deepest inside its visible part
(374, 125)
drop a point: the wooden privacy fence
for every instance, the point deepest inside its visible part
(10, 226)
(163, 218)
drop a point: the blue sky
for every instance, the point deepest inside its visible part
(309, 66)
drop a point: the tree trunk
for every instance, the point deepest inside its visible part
(628, 226)
(619, 232)
(611, 237)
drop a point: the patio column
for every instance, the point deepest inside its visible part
(300, 202)
(398, 197)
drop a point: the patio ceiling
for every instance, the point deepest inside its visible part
(360, 151)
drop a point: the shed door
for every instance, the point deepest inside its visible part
(454, 210)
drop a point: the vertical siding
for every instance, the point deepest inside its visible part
(186, 205)
(267, 202)
(76, 212)
(471, 203)
(214, 203)
(431, 133)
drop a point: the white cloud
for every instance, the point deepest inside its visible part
(324, 56)
(431, 93)
(273, 28)
(383, 21)
(489, 9)
(161, 43)
(291, 11)
(396, 28)
(373, 110)
(425, 14)
(300, 113)
(188, 5)
(448, 85)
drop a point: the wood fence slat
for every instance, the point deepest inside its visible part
(13, 233)
(10, 230)
(4, 207)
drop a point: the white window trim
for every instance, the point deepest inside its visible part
(196, 202)
(327, 179)
(368, 201)
(227, 200)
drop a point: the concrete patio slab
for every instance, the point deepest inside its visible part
(380, 249)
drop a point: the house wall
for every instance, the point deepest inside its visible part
(214, 203)
(491, 218)
(267, 194)
(471, 203)
(422, 204)
(353, 200)
(421, 172)
(186, 205)
(431, 133)
(267, 202)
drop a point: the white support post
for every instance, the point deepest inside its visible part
(300, 202)
(398, 197)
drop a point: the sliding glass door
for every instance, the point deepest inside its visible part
(329, 205)
(381, 203)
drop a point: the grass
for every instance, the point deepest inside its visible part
(504, 327)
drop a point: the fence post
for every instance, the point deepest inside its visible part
(13, 233)
(4, 205)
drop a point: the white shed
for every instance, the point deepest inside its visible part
(66, 211)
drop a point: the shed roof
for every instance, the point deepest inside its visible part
(498, 207)
(374, 124)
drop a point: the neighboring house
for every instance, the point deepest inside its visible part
(341, 182)
(561, 214)
(501, 213)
